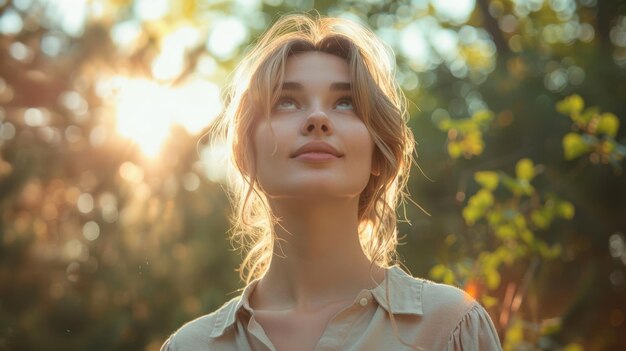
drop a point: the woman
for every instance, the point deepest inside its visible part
(317, 127)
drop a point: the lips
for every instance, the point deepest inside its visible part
(319, 148)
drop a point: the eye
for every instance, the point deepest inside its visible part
(286, 103)
(344, 103)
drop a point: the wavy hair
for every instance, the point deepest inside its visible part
(378, 101)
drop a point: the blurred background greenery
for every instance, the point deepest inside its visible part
(113, 223)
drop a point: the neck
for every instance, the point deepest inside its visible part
(317, 258)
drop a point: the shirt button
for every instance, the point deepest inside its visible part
(363, 301)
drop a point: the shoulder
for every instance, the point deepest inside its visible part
(439, 304)
(196, 334)
(446, 299)
(464, 322)
(420, 296)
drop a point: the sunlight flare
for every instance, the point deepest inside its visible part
(146, 110)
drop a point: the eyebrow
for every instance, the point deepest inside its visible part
(338, 86)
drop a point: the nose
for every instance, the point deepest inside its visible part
(317, 123)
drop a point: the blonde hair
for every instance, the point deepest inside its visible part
(378, 101)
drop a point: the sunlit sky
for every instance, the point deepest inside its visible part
(147, 108)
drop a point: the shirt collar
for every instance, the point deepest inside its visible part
(225, 316)
(404, 290)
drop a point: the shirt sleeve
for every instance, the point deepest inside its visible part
(475, 332)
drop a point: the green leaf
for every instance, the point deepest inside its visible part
(494, 218)
(584, 118)
(471, 214)
(489, 301)
(483, 198)
(482, 116)
(507, 255)
(514, 335)
(445, 124)
(505, 232)
(511, 184)
(438, 271)
(571, 105)
(442, 273)
(555, 251)
(527, 236)
(487, 179)
(609, 124)
(472, 143)
(565, 209)
(527, 189)
(541, 218)
(492, 278)
(454, 149)
(489, 261)
(525, 169)
(465, 125)
(574, 146)
(449, 278)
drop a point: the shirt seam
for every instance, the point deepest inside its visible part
(456, 325)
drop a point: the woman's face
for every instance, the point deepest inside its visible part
(319, 147)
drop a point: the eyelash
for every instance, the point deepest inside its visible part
(345, 98)
(286, 97)
(293, 99)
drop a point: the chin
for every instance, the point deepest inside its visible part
(313, 191)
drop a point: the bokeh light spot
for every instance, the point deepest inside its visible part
(73, 134)
(71, 15)
(226, 36)
(85, 203)
(72, 271)
(131, 172)
(151, 9)
(11, 22)
(91, 230)
(51, 44)
(34, 117)
(455, 10)
(19, 51)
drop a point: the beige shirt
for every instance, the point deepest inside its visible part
(427, 315)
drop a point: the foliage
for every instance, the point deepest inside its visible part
(513, 221)
(596, 133)
(465, 137)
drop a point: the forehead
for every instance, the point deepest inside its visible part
(316, 68)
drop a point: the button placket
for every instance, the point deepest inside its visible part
(363, 299)
(340, 326)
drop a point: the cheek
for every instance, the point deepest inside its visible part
(360, 145)
(362, 142)
(268, 146)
